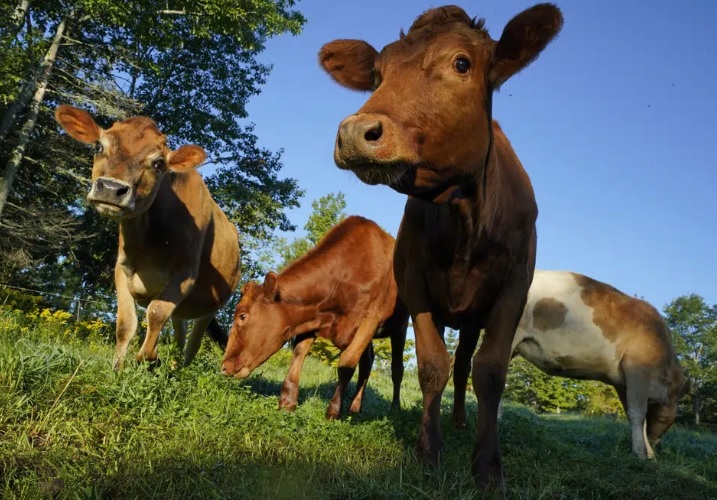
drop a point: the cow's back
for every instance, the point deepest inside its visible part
(348, 272)
(578, 327)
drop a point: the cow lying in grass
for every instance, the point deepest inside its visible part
(178, 252)
(574, 326)
(343, 290)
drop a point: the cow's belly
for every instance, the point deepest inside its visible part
(582, 353)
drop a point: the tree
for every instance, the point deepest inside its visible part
(326, 212)
(694, 326)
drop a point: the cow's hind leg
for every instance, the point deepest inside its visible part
(467, 341)
(638, 384)
(290, 388)
(348, 361)
(365, 366)
(398, 345)
(195, 339)
(179, 328)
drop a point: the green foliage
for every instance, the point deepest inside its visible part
(528, 385)
(694, 327)
(72, 428)
(326, 212)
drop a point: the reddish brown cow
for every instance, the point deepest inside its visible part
(178, 252)
(465, 251)
(343, 290)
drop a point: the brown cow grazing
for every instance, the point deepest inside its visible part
(465, 251)
(178, 252)
(577, 327)
(343, 290)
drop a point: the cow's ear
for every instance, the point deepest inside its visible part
(78, 123)
(523, 39)
(186, 158)
(349, 63)
(271, 286)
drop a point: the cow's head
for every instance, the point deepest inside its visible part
(660, 417)
(260, 328)
(130, 160)
(427, 126)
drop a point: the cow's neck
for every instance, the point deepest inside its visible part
(137, 233)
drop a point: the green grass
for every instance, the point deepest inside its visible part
(71, 428)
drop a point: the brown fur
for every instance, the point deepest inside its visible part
(465, 251)
(549, 314)
(178, 252)
(343, 290)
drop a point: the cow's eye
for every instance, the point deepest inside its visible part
(462, 65)
(158, 163)
(97, 147)
(242, 316)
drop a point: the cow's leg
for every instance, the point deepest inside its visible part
(622, 395)
(638, 385)
(195, 339)
(467, 341)
(290, 388)
(434, 366)
(161, 309)
(126, 318)
(179, 328)
(398, 345)
(365, 366)
(348, 361)
(490, 366)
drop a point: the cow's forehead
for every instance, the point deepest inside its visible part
(137, 134)
(250, 292)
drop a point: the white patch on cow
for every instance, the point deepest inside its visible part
(577, 348)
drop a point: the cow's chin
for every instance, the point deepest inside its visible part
(243, 373)
(389, 174)
(111, 211)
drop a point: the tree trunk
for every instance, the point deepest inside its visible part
(40, 84)
(696, 407)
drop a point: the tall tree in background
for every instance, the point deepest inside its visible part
(191, 66)
(694, 327)
(326, 212)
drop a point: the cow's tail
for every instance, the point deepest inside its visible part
(217, 333)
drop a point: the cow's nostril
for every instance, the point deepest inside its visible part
(122, 191)
(374, 132)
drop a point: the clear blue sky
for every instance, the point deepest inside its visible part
(615, 123)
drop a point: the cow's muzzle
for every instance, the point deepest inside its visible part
(374, 147)
(111, 196)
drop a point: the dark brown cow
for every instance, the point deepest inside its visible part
(465, 251)
(343, 290)
(178, 252)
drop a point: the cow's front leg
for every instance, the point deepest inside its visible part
(348, 361)
(434, 366)
(126, 318)
(490, 366)
(290, 389)
(161, 309)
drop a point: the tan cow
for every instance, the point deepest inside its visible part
(574, 326)
(178, 252)
(343, 290)
(465, 250)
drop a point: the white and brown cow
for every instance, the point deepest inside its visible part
(178, 252)
(574, 326)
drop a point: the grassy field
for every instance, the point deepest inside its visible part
(71, 428)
